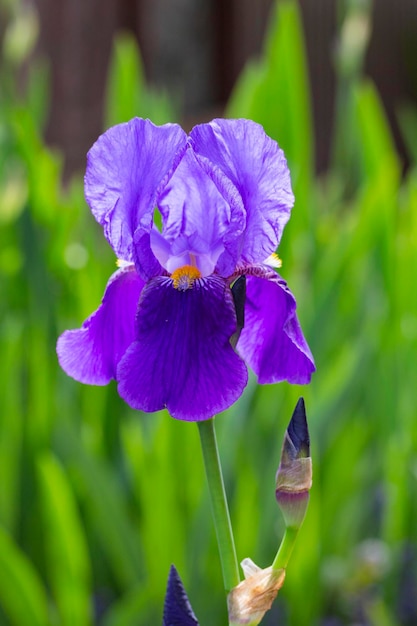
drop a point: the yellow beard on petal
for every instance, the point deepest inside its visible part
(185, 276)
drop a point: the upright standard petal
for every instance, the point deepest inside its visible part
(256, 166)
(196, 217)
(182, 359)
(272, 342)
(126, 168)
(90, 354)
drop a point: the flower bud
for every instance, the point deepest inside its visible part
(177, 608)
(253, 597)
(294, 475)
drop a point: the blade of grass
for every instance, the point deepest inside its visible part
(22, 594)
(68, 561)
(107, 508)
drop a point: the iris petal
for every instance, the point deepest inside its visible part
(126, 168)
(256, 166)
(90, 354)
(272, 342)
(196, 216)
(182, 358)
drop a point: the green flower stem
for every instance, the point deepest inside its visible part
(219, 506)
(285, 549)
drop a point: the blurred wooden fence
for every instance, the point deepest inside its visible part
(198, 48)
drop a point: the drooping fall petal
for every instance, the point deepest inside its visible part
(90, 354)
(272, 342)
(182, 358)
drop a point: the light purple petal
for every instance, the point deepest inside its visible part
(90, 354)
(126, 168)
(272, 342)
(182, 358)
(196, 217)
(256, 166)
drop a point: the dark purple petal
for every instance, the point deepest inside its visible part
(272, 342)
(126, 168)
(256, 166)
(145, 258)
(182, 358)
(177, 608)
(90, 354)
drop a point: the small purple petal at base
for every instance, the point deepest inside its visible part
(182, 359)
(272, 342)
(147, 263)
(90, 354)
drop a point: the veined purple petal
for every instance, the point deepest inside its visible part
(182, 358)
(256, 166)
(272, 342)
(196, 217)
(90, 354)
(126, 168)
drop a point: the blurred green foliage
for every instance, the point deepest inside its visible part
(96, 501)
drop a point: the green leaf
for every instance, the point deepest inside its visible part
(377, 149)
(407, 117)
(241, 102)
(68, 562)
(106, 508)
(127, 93)
(126, 611)
(11, 420)
(125, 86)
(22, 594)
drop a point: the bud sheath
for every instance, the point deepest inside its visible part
(294, 476)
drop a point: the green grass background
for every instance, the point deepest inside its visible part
(96, 500)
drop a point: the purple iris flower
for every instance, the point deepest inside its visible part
(221, 197)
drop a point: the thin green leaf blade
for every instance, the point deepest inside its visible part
(22, 595)
(69, 567)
